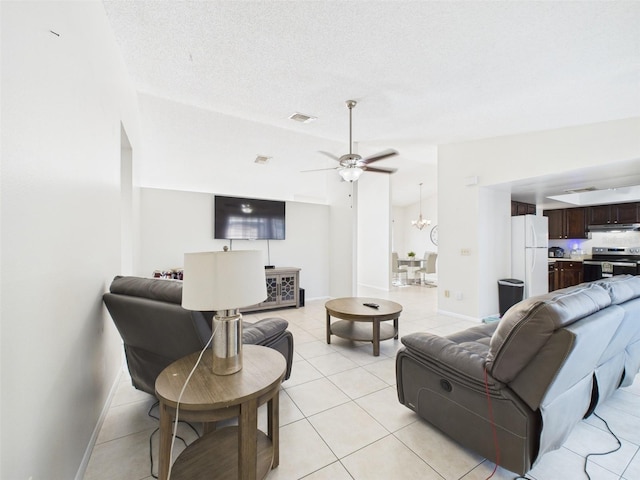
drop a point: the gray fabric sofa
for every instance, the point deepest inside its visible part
(156, 330)
(546, 365)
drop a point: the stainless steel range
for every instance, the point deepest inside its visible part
(610, 261)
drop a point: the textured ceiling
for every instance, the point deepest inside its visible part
(424, 73)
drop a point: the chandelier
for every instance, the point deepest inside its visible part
(420, 223)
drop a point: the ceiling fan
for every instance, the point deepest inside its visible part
(351, 165)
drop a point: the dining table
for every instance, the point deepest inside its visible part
(412, 264)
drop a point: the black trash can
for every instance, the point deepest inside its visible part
(510, 292)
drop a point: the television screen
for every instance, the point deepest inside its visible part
(248, 219)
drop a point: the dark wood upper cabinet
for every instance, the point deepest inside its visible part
(567, 223)
(556, 223)
(520, 208)
(626, 212)
(575, 223)
(600, 215)
(616, 213)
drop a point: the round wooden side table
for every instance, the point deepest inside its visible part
(241, 452)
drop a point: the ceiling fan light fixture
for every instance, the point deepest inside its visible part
(350, 174)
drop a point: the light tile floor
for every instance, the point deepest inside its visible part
(341, 419)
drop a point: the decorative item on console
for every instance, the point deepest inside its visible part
(172, 273)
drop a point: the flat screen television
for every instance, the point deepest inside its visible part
(238, 218)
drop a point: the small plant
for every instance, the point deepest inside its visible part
(411, 254)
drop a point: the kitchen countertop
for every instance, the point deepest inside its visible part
(567, 259)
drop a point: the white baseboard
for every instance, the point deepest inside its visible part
(457, 315)
(96, 431)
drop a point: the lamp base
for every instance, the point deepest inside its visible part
(227, 342)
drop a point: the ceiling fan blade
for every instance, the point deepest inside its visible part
(319, 169)
(379, 156)
(380, 170)
(330, 155)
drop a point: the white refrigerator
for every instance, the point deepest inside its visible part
(529, 253)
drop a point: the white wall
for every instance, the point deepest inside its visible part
(190, 148)
(374, 231)
(474, 216)
(173, 222)
(63, 100)
(342, 240)
(180, 142)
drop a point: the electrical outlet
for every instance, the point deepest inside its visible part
(458, 295)
(446, 293)
(465, 251)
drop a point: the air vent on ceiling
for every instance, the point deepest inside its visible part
(261, 159)
(302, 118)
(581, 190)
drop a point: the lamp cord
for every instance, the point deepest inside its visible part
(156, 431)
(186, 382)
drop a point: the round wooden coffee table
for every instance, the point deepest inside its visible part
(353, 312)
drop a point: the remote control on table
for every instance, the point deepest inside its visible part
(372, 305)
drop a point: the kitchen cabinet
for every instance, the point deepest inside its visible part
(616, 213)
(556, 223)
(576, 222)
(553, 277)
(283, 289)
(567, 223)
(569, 273)
(521, 208)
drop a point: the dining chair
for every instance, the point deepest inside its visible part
(397, 271)
(428, 268)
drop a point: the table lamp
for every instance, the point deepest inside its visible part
(224, 282)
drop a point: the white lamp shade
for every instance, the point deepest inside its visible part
(223, 280)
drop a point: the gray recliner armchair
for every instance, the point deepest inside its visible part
(514, 390)
(157, 331)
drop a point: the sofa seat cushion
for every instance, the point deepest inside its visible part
(528, 325)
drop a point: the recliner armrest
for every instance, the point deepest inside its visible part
(463, 360)
(263, 331)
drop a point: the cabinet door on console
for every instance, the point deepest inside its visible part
(288, 289)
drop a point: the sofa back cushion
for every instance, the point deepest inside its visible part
(621, 288)
(528, 325)
(162, 290)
